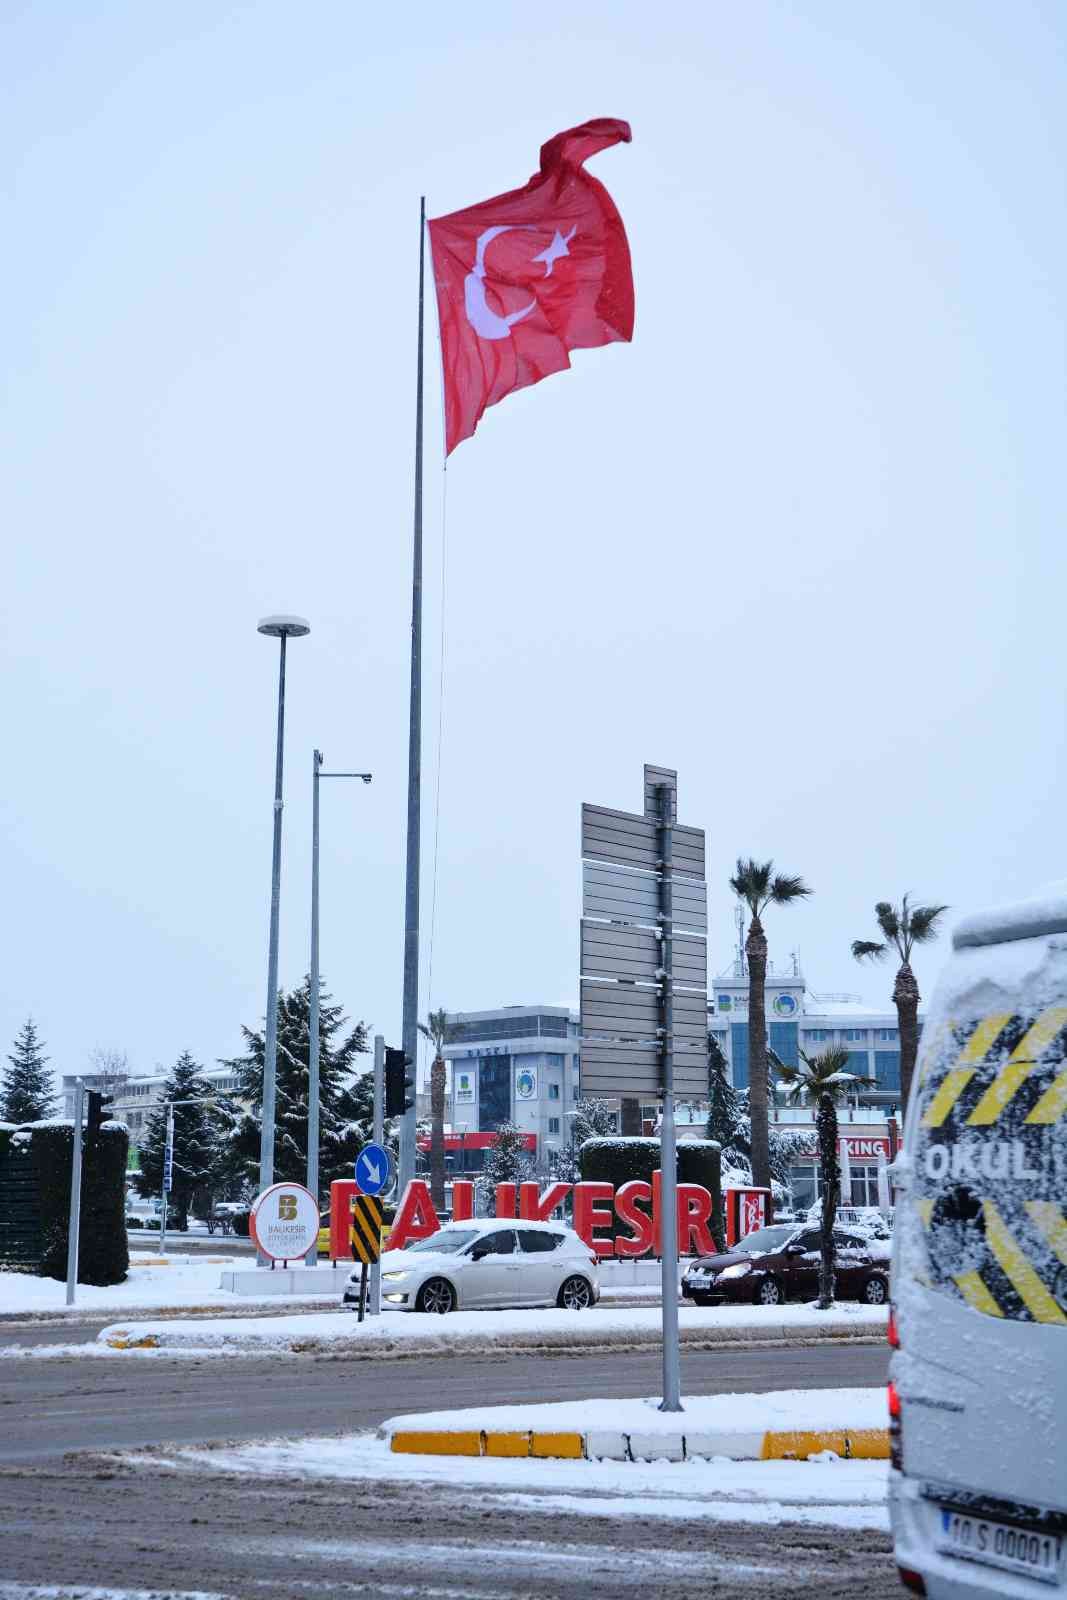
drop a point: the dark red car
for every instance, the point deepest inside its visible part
(781, 1262)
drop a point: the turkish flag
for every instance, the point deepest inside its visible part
(524, 279)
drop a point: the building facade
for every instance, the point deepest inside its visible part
(135, 1098)
(516, 1064)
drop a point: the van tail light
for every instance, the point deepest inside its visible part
(896, 1451)
(892, 1332)
(912, 1580)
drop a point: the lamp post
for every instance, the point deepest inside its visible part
(283, 629)
(313, 1016)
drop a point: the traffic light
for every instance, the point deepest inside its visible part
(95, 1111)
(399, 1083)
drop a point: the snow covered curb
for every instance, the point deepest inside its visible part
(787, 1425)
(474, 1332)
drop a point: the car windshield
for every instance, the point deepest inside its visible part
(446, 1240)
(764, 1239)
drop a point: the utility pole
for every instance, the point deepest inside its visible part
(410, 1024)
(374, 1300)
(74, 1220)
(672, 1383)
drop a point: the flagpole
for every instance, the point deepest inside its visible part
(410, 1026)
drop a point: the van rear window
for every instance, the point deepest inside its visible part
(990, 1163)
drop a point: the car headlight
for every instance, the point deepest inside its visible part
(394, 1277)
(741, 1270)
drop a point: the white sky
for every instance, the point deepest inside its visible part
(802, 539)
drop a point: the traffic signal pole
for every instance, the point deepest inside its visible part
(74, 1222)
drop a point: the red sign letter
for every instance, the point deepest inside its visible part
(537, 1207)
(415, 1217)
(590, 1214)
(639, 1241)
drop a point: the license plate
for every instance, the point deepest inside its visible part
(1030, 1551)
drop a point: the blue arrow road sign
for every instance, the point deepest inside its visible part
(374, 1169)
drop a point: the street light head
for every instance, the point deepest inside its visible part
(282, 627)
(365, 776)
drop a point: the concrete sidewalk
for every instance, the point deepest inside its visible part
(785, 1425)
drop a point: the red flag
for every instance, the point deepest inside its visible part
(526, 278)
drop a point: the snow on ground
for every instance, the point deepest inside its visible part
(153, 1282)
(781, 1410)
(79, 1591)
(478, 1330)
(843, 1494)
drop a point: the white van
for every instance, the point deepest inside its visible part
(978, 1397)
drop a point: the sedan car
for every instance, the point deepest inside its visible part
(480, 1264)
(782, 1263)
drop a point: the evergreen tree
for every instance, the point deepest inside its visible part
(346, 1100)
(26, 1094)
(198, 1132)
(592, 1119)
(508, 1160)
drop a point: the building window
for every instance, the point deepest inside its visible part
(888, 1035)
(574, 1089)
(494, 1092)
(856, 1035)
(553, 1091)
(816, 1035)
(553, 1124)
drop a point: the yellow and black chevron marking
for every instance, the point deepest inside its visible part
(365, 1230)
(989, 1190)
(1001, 1057)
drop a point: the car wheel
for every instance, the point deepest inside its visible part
(875, 1292)
(769, 1293)
(436, 1294)
(575, 1295)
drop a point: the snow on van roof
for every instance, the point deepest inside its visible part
(1025, 919)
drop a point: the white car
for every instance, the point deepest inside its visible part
(480, 1264)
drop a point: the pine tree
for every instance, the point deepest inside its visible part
(508, 1160)
(26, 1095)
(346, 1100)
(198, 1133)
(592, 1119)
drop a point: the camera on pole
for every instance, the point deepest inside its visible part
(95, 1115)
(399, 1083)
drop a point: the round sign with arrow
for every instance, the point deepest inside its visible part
(375, 1169)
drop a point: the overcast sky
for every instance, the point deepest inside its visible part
(803, 539)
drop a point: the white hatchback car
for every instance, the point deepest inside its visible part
(485, 1263)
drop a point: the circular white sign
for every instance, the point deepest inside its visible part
(285, 1221)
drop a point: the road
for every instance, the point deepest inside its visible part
(76, 1517)
(51, 1406)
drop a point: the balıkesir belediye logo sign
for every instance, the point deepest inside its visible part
(785, 1005)
(285, 1221)
(526, 1084)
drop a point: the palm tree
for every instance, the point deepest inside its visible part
(759, 886)
(436, 1029)
(903, 927)
(825, 1079)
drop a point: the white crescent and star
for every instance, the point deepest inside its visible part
(486, 322)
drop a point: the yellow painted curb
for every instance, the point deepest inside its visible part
(855, 1444)
(149, 1342)
(868, 1444)
(437, 1444)
(559, 1446)
(507, 1444)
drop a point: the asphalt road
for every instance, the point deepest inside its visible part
(126, 1522)
(51, 1406)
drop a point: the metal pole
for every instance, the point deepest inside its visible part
(270, 1046)
(168, 1174)
(313, 1014)
(672, 1382)
(410, 1026)
(74, 1220)
(374, 1304)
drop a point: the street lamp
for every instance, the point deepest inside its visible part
(313, 1017)
(280, 628)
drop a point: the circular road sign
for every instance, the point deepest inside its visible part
(284, 1223)
(374, 1169)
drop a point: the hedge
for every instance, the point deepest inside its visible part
(618, 1160)
(103, 1253)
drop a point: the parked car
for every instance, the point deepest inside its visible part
(782, 1263)
(388, 1218)
(859, 1219)
(475, 1265)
